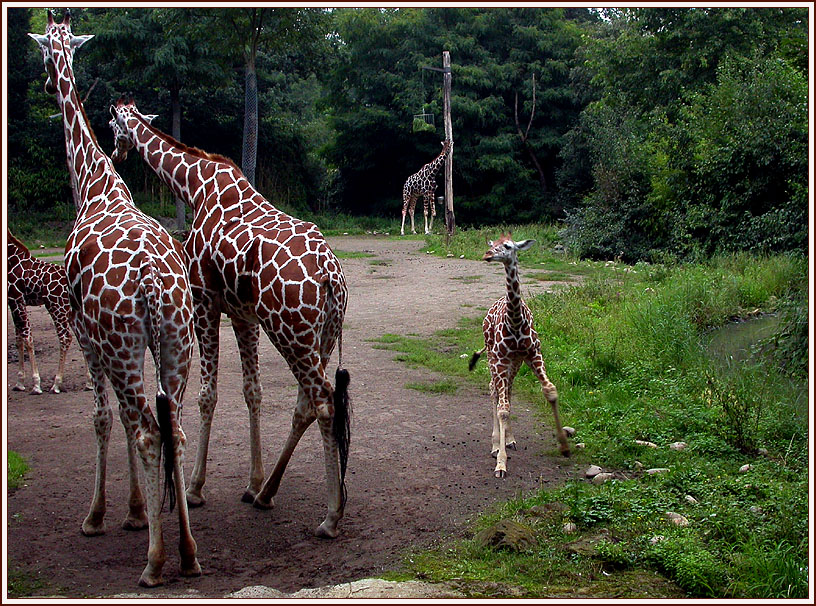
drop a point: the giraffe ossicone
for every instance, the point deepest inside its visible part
(510, 341)
(128, 290)
(423, 183)
(264, 269)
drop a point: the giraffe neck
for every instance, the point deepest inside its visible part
(515, 319)
(87, 163)
(188, 175)
(433, 166)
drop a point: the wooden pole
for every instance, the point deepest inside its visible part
(450, 221)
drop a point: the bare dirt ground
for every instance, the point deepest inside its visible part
(419, 468)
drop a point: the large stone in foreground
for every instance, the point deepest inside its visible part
(507, 534)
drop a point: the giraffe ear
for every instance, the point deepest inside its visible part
(77, 41)
(40, 39)
(149, 119)
(524, 244)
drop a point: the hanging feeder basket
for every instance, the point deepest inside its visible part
(424, 122)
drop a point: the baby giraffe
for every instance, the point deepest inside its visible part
(510, 340)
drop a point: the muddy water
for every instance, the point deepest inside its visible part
(733, 342)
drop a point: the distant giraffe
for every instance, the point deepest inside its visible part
(32, 282)
(511, 340)
(128, 288)
(423, 183)
(267, 270)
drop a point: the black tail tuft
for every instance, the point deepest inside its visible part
(473, 359)
(341, 426)
(166, 432)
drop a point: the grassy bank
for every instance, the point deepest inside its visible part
(626, 350)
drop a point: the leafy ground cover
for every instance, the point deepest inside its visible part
(627, 350)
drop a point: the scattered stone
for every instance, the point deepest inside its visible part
(678, 445)
(592, 471)
(364, 588)
(655, 470)
(638, 465)
(570, 527)
(656, 539)
(757, 510)
(645, 443)
(449, 255)
(461, 256)
(580, 445)
(558, 249)
(464, 356)
(745, 468)
(691, 499)
(507, 534)
(676, 519)
(763, 452)
(570, 431)
(345, 233)
(602, 477)
(586, 545)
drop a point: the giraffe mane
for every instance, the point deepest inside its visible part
(195, 151)
(14, 240)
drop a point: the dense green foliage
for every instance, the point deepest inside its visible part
(656, 133)
(628, 352)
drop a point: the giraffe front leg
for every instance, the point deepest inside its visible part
(206, 316)
(35, 371)
(301, 419)
(502, 415)
(247, 336)
(551, 394)
(22, 332)
(94, 523)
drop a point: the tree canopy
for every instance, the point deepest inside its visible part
(646, 131)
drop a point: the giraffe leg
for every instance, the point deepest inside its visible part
(149, 447)
(501, 414)
(94, 523)
(321, 397)
(247, 336)
(402, 227)
(551, 394)
(206, 316)
(35, 371)
(136, 518)
(510, 440)
(425, 213)
(20, 385)
(303, 416)
(62, 325)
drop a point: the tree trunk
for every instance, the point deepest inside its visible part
(175, 105)
(524, 136)
(450, 220)
(250, 150)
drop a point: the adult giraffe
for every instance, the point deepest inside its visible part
(510, 341)
(35, 282)
(128, 288)
(264, 269)
(423, 183)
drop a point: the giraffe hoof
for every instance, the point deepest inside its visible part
(148, 580)
(19, 387)
(36, 391)
(511, 446)
(325, 532)
(500, 473)
(258, 503)
(90, 529)
(56, 389)
(191, 570)
(195, 500)
(135, 522)
(566, 451)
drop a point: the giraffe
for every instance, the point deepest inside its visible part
(34, 282)
(129, 291)
(511, 340)
(265, 270)
(423, 183)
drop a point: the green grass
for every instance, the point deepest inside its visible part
(352, 254)
(17, 468)
(626, 350)
(22, 584)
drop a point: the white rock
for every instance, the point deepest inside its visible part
(655, 470)
(570, 431)
(580, 445)
(656, 539)
(691, 499)
(592, 471)
(570, 527)
(638, 465)
(461, 256)
(746, 467)
(601, 478)
(763, 452)
(678, 445)
(676, 519)
(757, 510)
(449, 255)
(645, 443)
(464, 356)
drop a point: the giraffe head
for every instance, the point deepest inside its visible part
(122, 111)
(57, 39)
(505, 249)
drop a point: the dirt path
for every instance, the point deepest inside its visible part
(420, 463)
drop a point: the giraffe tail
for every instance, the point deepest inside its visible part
(150, 286)
(475, 358)
(341, 425)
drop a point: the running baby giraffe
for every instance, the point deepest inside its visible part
(511, 340)
(35, 282)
